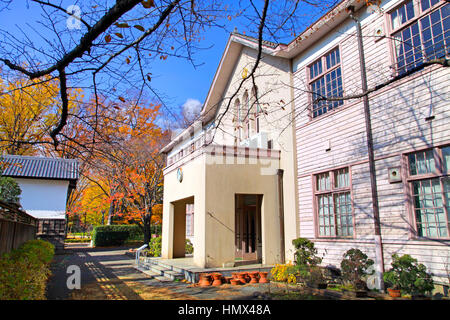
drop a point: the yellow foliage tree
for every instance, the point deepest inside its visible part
(28, 111)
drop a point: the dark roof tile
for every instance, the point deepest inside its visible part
(40, 167)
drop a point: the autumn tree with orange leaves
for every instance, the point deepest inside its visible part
(123, 170)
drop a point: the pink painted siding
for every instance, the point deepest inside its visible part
(399, 125)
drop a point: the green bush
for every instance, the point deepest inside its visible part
(355, 266)
(189, 247)
(9, 190)
(408, 275)
(154, 247)
(24, 271)
(109, 238)
(306, 253)
(114, 235)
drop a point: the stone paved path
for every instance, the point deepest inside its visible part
(107, 273)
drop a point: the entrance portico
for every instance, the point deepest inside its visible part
(235, 196)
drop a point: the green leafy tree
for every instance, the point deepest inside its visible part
(9, 190)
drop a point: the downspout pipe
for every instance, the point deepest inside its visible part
(281, 213)
(373, 180)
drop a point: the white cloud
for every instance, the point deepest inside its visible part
(192, 108)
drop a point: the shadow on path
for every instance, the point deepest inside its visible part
(101, 273)
(108, 274)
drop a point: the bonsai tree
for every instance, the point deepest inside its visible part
(306, 253)
(355, 267)
(306, 258)
(408, 276)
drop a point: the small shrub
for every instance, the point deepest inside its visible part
(355, 266)
(189, 247)
(284, 273)
(408, 275)
(316, 276)
(24, 271)
(154, 247)
(306, 253)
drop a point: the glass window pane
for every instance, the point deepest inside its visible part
(429, 207)
(424, 4)
(446, 158)
(341, 178)
(323, 182)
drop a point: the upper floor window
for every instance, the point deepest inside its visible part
(421, 32)
(256, 124)
(245, 118)
(428, 178)
(325, 81)
(334, 204)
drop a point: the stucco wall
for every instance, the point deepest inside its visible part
(44, 198)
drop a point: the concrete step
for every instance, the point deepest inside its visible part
(148, 272)
(163, 265)
(161, 271)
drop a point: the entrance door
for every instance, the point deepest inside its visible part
(248, 229)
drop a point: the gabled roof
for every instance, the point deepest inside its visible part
(40, 167)
(336, 15)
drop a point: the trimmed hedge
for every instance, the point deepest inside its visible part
(115, 235)
(24, 271)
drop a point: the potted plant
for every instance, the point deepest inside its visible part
(354, 267)
(408, 276)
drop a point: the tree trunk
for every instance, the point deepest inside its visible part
(148, 226)
(110, 213)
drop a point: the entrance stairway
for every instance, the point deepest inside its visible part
(159, 270)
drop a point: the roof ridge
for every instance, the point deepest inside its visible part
(36, 157)
(267, 42)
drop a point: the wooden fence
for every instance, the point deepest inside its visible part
(16, 227)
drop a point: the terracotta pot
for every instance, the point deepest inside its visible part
(205, 280)
(217, 279)
(394, 293)
(253, 277)
(243, 277)
(263, 277)
(227, 279)
(235, 282)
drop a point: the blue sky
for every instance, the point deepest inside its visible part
(176, 79)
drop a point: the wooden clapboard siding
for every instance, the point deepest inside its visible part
(399, 125)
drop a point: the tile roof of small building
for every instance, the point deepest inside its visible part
(40, 167)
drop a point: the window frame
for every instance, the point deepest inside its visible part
(325, 71)
(418, 15)
(440, 174)
(333, 191)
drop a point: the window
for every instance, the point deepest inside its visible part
(430, 189)
(245, 116)
(190, 219)
(334, 204)
(237, 119)
(325, 81)
(255, 111)
(421, 32)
